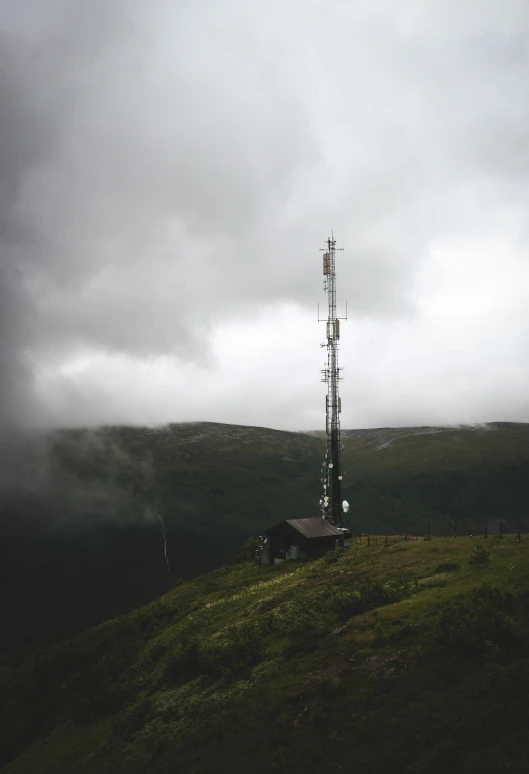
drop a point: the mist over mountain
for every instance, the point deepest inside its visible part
(87, 515)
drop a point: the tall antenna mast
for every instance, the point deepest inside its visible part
(331, 472)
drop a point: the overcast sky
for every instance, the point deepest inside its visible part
(170, 170)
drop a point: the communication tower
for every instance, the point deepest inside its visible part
(332, 506)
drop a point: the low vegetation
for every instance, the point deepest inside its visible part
(91, 502)
(403, 658)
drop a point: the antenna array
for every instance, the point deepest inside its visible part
(332, 507)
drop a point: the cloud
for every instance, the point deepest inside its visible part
(169, 171)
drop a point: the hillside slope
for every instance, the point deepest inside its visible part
(398, 477)
(84, 513)
(408, 658)
(80, 533)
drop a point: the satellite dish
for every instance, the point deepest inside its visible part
(331, 465)
(339, 478)
(345, 506)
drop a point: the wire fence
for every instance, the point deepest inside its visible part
(405, 537)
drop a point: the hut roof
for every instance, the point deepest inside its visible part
(310, 528)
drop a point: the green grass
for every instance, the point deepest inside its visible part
(215, 485)
(410, 658)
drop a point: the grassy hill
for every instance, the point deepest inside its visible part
(411, 657)
(83, 512)
(80, 533)
(418, 476)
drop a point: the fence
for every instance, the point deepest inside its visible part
(387, 539)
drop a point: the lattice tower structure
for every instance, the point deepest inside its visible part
(331, 472)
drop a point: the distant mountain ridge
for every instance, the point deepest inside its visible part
(80, 509)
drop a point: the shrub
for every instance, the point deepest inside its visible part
(480, 556)
(155, 651)
(447, 567)
(250, 547)
(331, 557)
(477, 621)
(135, 716)
(183, 662)
(238, 652)
(309, 621)
(96, 699)
(102, 690)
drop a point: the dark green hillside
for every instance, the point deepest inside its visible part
(81, 541)
(415, 476)
(407, 658)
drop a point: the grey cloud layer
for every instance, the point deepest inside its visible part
(168, 166)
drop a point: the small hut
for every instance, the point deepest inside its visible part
(302, 539)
